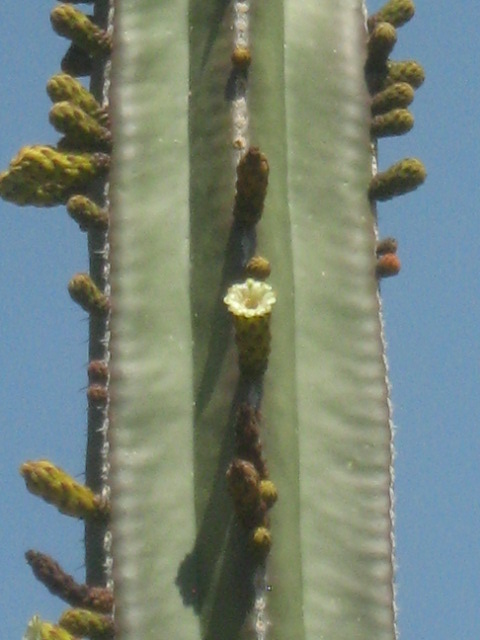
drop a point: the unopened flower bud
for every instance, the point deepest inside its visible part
(251, 185)
(73, 24)
(87, 214)
(396, 12)
(85, 292)
(387, 265)
(392, 123)
(396, 96)
(57, 487)
(400, 178)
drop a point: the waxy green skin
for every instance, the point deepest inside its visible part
(324, 397)
(325, 443)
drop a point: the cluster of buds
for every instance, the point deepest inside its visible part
(252, 492)
(250, 306)
(98, 376)
(392, 86)
(47, 176)
(43, 176)
(388, 263)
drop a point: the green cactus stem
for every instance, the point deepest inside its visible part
(202, 93)
(324, 399)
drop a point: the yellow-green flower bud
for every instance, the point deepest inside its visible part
(250, 304)
(64, 87)
(42, 167)
(252, 182)
(396, 12)
(85, 623)
(393, 123)
(380, 45)
(83, 131)
(85, 292)
(241, 58)
(76, 61)
(400, 178)
(396, 96)
(73, 24)
(261, 540)
(57, 487)
(15, 187)
(87, 214)
(39, 630)
(258, 268)
(268, 492)
(408, 71)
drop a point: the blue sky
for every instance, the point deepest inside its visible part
(432, 312)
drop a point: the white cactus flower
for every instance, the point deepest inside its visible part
(250, 299)
(34, 629)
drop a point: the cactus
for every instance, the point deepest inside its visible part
(251, 437)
